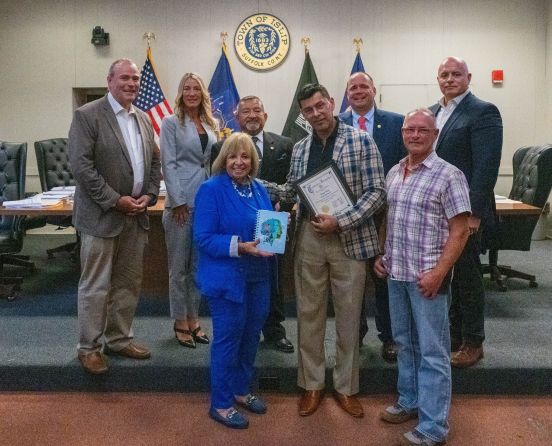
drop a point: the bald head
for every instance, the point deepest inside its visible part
(419, 133)
(453, 77)
(361, 92)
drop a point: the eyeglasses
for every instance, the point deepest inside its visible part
(423, 131)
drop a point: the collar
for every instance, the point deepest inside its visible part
(369, 116)
(428, 162)
(259, 136)
(118, 107)
(455, 100)
(331, 137)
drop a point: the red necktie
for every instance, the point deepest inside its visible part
(362, 123)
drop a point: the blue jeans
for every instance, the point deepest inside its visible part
(421, 331)
(236, 333)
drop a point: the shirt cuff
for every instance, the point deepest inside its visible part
(234, 246)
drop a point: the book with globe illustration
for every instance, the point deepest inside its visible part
(271, 230)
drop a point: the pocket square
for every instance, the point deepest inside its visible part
(282, 157)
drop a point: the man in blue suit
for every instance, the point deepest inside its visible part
(470, 138)
(385, 129)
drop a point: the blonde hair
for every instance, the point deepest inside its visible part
(235, 142)
(205, 112)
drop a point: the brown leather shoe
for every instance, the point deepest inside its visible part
(389, 351)
(467, 356)
(95, 363)
(309, 402)
(350, 404)
(132, 350)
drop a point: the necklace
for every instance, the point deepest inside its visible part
(243, 191)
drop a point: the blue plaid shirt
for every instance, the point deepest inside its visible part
(358, 159)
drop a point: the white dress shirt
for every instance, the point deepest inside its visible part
(133, 140)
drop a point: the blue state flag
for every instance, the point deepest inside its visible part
(224, 96)
(358, 66)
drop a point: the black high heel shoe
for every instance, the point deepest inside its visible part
(200, 339)
(190, 343)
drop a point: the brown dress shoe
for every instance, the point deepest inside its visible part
(389, 351)
(132, 350)
(466, 356)
(95, 363)
(309, 402)
(350, 404)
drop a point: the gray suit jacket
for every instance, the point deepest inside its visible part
(185, 165)
(102, 168)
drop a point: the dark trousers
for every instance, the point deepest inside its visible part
(383, 320)
(273, 329)
(467, 320)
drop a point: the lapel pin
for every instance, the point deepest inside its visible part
(379, 126)
(271, 148)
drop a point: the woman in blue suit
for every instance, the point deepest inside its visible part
(233, 275)
(186, 140)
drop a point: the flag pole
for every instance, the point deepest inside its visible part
(223, 37)
(358, 43)
(306, 42)
(149, 36)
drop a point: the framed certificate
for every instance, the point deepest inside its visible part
(325, 191)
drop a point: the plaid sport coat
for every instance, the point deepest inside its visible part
(358, 159)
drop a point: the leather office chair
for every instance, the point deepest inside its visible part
(13, 157)
(54, 170)
(532, 182)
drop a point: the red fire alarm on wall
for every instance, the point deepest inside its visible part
(497, 77)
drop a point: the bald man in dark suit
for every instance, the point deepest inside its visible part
(470, 138)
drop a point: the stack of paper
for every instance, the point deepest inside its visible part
(60, 192)
(36, 201)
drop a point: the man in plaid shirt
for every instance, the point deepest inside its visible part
(427, 228)
(331, 250)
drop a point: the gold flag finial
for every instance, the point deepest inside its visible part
(223, 37)
(306, 42)
(358, 43)
(149, 36)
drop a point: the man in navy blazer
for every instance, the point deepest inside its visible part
(470, 138)
(275, 156)
(385, 129)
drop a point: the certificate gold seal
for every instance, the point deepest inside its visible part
(262, 42)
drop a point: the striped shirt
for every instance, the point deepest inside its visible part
(419, 207)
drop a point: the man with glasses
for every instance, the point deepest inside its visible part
(470, 138)
(427, 228)
(331, 250)
(274, 155)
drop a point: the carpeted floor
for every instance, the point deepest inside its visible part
(38, 335)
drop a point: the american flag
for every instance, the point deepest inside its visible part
(151, 98)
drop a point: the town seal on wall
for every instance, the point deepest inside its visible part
(262, 42)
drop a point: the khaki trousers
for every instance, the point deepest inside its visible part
(109, 287)
(322, 266)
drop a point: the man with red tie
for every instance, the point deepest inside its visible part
(385, 128)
